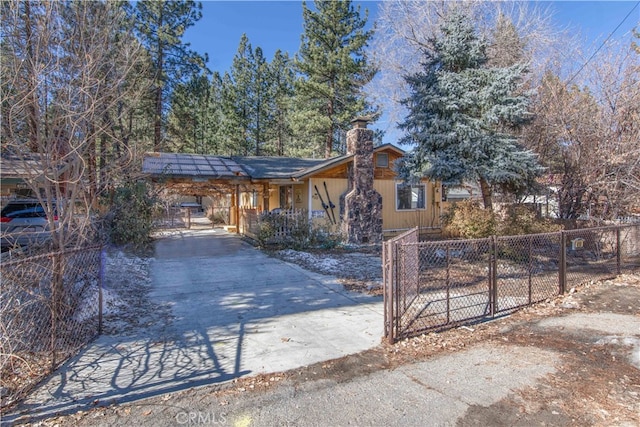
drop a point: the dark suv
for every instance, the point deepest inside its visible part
(23, 223)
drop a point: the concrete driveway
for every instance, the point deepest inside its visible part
(233, 312)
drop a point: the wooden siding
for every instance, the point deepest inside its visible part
(305, 197)
(335, 187)
(393, 219)
(338, 172)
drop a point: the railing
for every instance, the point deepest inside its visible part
(437, 285)
(273, 226)
(50, 307)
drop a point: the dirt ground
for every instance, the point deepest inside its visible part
(358, 270)
(597, 382)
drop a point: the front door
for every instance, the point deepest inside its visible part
(286, 197)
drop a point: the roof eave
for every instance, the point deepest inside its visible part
(331, 163)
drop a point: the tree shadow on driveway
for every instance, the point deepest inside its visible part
(233, 311)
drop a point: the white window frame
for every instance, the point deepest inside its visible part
(413, 202)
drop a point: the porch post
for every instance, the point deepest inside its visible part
(265, 197)
(310, 201)
(237, 209)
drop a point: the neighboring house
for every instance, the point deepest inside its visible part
(311, 185)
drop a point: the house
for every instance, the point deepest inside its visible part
(359, 191)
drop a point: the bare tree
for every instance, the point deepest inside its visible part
(586, 133)
(65, 71)
(615, 78)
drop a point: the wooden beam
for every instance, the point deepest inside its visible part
(265, 196)
(237, 207)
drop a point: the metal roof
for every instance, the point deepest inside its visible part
(275, 167)
(191, 165)
(248, 167)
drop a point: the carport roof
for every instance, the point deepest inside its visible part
(191, 166)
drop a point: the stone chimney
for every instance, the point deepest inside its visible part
(362, 213)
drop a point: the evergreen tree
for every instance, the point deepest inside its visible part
(160, 26)
(233, 125)
(261, 94)
(251, 97)
(282, 81)
(334, 69)
(190, 120)
(238, 99)
(463, 116)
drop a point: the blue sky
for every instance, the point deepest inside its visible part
(274, 25)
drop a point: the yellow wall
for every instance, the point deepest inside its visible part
(391, 218)
(305, 198)
(335, 186)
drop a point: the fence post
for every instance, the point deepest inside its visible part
(530, 239)
(103, 263)
(493, 277)
(396, 291)
(562, 270)
(448, 282)
(618, 250)
(388, 291)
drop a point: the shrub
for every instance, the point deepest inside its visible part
(521, 219)
(130, 218)
(467, 219)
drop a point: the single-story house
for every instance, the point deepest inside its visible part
(320, 187)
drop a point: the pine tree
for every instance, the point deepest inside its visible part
(261, 94)
(463, 116)
(238, 92)
(334, 67)
(160, 26)
(282, 82)
(189, 123)
(253, 94)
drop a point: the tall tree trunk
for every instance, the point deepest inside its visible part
(32, 107)
(487, 198)
(157, 131)
(280, 144)
(329, 143)
(92, 165)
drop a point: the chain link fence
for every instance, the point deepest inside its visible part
(50, 307)
(437, 285)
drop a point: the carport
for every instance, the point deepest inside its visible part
(199, 175)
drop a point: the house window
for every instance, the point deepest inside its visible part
(410, 196)
(382, 160)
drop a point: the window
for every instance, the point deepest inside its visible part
(410, 196)
(382, 160)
